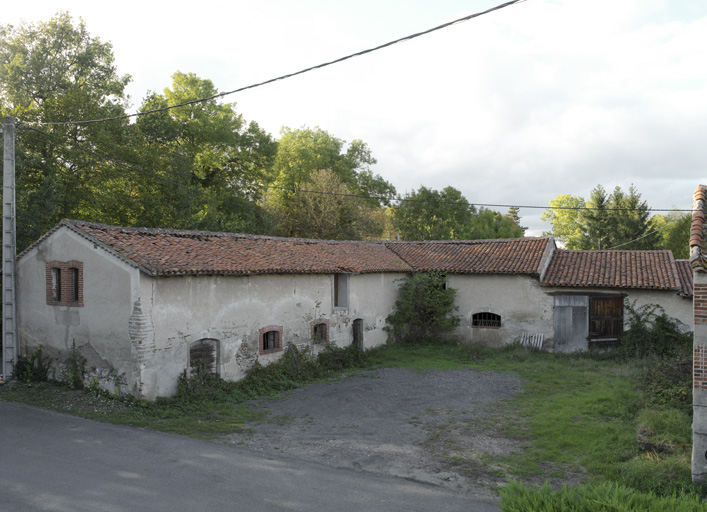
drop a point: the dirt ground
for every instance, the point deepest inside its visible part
(436, 427)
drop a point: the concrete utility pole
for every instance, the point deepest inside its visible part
(9, 313)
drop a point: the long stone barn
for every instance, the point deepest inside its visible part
(144, 305)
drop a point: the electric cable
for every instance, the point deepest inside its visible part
(290, 75)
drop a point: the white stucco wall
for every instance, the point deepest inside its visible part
(99, 327)
(232, 310)
(520, 301)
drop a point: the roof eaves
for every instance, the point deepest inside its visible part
(75, 227)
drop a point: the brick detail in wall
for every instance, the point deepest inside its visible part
(141, 332)
(280, 340)
(699, 367)
(700, 303)
(70, 285)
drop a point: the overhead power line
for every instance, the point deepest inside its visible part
(290, 75)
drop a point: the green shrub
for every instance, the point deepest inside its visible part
(595, 497)
(424, 311)
(653, 333)
(32, 368)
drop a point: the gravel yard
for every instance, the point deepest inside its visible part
(437, 427)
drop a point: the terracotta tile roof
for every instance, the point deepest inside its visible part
(698, 250)
(613, 269)
(502, 256)
(685, 276)
(174, 252)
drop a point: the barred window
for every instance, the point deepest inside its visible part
(486, 320)
(271, 340)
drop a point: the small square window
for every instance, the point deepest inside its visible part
(271, 340)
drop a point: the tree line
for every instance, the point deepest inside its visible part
(616, 220)
(203, 166)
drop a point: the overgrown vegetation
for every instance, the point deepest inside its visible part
(74, 368)
(424, 311)
(294, 369)
(652, 333)
(32, 368)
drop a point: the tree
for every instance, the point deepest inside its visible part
(428, 214)
(674, 232)
(514, 215)
(306, 151)
(56, 72)
(209, 162)
(605, 221)
(325, 208)
(564, 216)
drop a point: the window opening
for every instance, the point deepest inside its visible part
(56, 284)
(74, 278)
(319, 333)
(341, 290)
(271, 340)
(486, 320)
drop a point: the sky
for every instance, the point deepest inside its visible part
(541, 98)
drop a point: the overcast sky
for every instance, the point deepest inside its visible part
(538, 99)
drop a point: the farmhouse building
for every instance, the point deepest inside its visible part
(144, 305)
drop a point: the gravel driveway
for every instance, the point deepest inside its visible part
(437, 427)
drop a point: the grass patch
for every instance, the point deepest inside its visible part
(595, 497)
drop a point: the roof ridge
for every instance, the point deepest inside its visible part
(196, 233)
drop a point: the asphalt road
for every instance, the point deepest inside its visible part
(55, 462)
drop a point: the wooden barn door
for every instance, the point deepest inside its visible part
(606, 318)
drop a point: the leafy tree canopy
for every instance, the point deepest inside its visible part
(305, 151)
(328, 210)
(55, 72)
(428, 214)
(674, 232)
(210, 162)
(605, 221)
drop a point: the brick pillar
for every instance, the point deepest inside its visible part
(699, 381)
